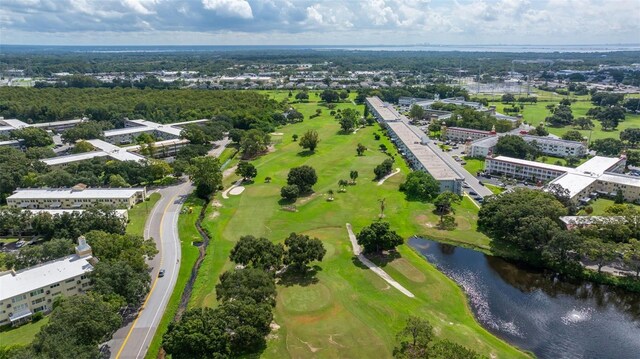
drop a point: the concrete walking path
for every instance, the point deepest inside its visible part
(388, 176)
(377, 270)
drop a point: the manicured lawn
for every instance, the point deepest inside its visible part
(138, 214)
(473, 165)
(494, 189)
(188, 234)
(348, 311)
(536, 113)
(22, 335)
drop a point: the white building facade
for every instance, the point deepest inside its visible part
(33, 290)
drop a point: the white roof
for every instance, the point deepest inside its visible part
(67, 193)
(15, 124)
(57, 212)
(585, 220)
(551, 140)
(574, 182)
(159, 144)
(73, 158)
(598, 164)
(127, 130)
(439, 169)
(118, 153)
(620, 179)
(59, 123)
(384, 110)
(486, 142)
(42, 275)
(532, 163)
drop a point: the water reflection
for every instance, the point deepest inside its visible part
(539, 312)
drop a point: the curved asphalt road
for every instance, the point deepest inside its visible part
(133, 340)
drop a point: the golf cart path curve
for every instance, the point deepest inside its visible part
(377, 270)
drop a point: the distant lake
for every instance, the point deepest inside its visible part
(534, 311)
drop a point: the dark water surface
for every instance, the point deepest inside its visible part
(535, 311)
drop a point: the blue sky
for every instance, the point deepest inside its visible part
(320, 22)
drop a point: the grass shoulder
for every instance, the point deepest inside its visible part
(189, 254)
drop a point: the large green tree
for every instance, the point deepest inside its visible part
(420, 186)
(76, 326)
(246, 170)
(384, 168)
(198, 335)
(607, 146)
(33, 137)
(501, 216)
(257, 253)
(514, 146)
(302, 250)
(309, 140)
(119, 278)
(378, 237)
(254, 142)
(253, 283)
(304, 177)
(206, 174)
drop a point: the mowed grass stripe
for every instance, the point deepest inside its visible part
(349, 311)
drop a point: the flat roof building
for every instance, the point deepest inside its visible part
(599, 175)
(134, 128)
(75, 198)
(413, 147)
(32, 290)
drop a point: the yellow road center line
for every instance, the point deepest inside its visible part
(144, 305)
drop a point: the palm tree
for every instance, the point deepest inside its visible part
(343, 184)
(330, 195)
(382, 207)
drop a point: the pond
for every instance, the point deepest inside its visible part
(535, 311)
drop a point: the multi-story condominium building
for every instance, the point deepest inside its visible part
(557, 147)
(8, 125)
(78, 197)
(598, 176)
(134, 128)
(461, 134)
(413, 146)
(32, 290)
(102, 149)
(547, 145)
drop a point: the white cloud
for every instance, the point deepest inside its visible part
(230, 8)
(140, 6)
(326, 21)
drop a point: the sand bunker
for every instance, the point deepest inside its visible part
(236, 190)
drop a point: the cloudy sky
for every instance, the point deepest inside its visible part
(321, 22)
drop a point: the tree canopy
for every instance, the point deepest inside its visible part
(304, 177)
(257, 253)
(378, 237)
(205, 173)
(420, 186)
(302, 250)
